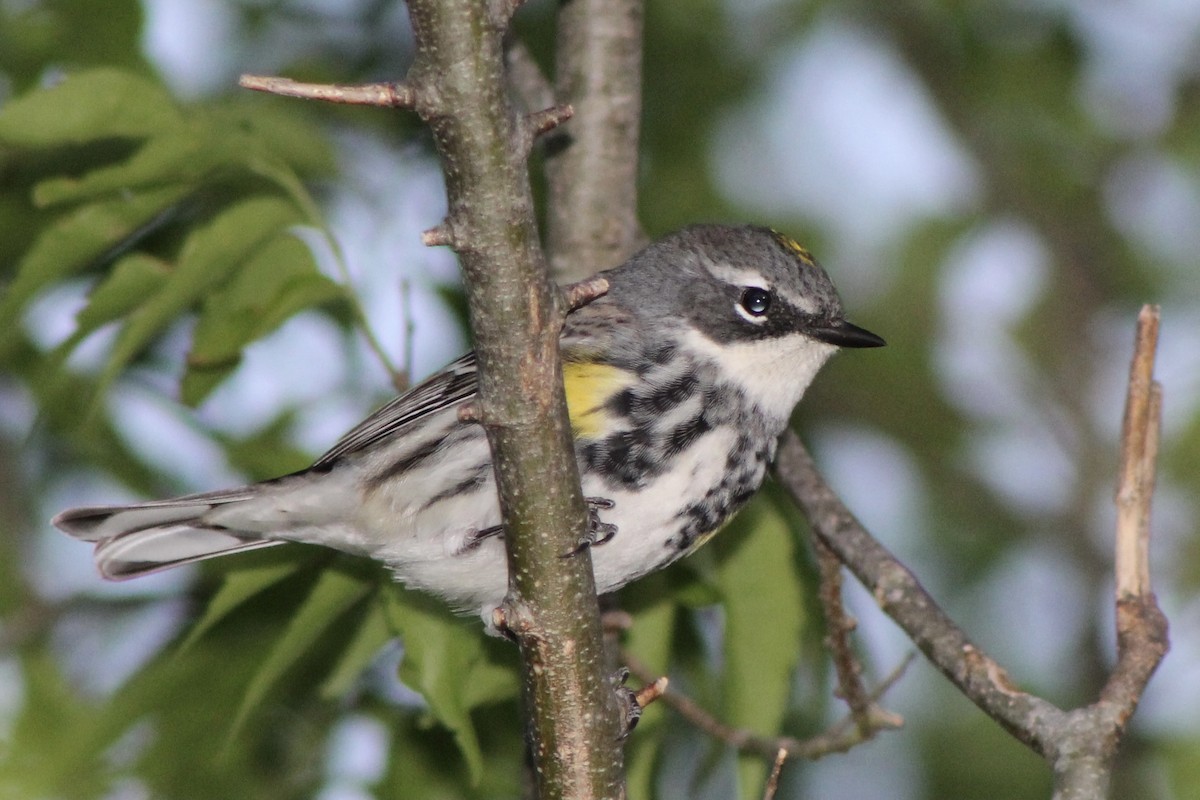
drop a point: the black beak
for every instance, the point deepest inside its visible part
(843, 334)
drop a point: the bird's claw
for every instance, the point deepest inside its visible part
(627, 701)
(598, 531)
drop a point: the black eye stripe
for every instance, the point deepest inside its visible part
(755, 300)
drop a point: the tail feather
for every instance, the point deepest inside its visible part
(139, 539)
(166, 546)
(101, 523)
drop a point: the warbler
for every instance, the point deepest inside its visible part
(679, 382)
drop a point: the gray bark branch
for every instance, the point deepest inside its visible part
(516, 313)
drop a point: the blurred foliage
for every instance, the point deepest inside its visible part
(179, 218)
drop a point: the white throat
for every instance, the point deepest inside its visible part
(774, 373)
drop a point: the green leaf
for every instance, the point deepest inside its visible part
(50, 747)
(421, 764)
(446, 660)
(238, 586)
(178, 706)
(38, 37)
(764, 619)
(192, 154)
(178, 156)
(269, 451)
(210, 255)
(87, 106)
(334, 593)
(286, 179)
(372, 634)
(280, 280)
(133, 278)
(281, 130)
(77, 239)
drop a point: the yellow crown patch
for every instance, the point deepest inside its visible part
(794, 246)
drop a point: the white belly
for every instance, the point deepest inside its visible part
(435, 546)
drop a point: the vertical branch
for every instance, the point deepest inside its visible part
(1141, 626)
(516, 317)
(592, 166)
(1139, 449)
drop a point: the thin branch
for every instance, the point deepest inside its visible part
(469, 412)
(1139, 450)
(440, 235)
(579, 294)
(839, 738)
(382, 95)
(1142, 640)
(1079, 744)
(901, 596)
(651, 691)
(398, 376)
(539, 123)
(839, 625)
(773, 779)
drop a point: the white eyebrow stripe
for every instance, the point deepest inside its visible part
(799, 302)
(742, 277)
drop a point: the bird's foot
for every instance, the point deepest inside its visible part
(627, 702)
(598, 531)
(632, 703)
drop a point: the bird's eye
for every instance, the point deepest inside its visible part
(756, 301)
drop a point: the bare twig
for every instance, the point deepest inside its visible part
(539, 123)
(839, 738)
(469, 412)
(1142, 640)
(651, 691)
(440, 235)
(839, 625)
(579, 294)
(1139, 450)
(535, 94)
(383, 95)
(773, 779)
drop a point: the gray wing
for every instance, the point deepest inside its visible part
(453, 385)
(588, 333)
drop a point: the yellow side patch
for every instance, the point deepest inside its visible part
(588, 388)
(794, 246)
